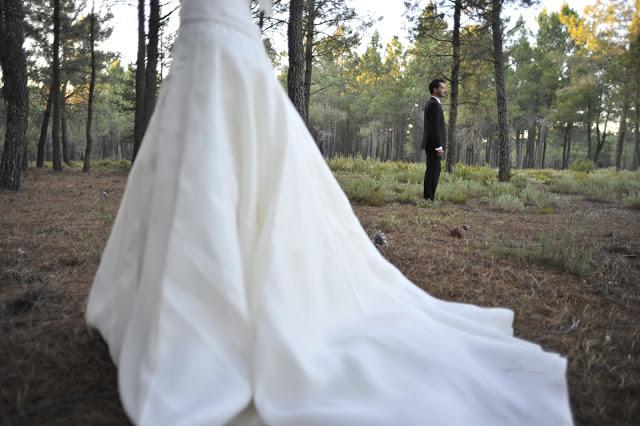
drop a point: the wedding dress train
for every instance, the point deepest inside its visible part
(238, 287)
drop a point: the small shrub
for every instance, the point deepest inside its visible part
(497, 189)
(567, 252)
(111, 164)
(406, 197)
(565, 184)
(519, 182)
(594, 192)
(389, 223)
(626, 183)
(363, 190)
(339, 164)
(586, 166)
(480, 174)
(632, 201)
(541, 175)
(507, 203)
(375, 198)
(546, 210)
(455, 197)
(542, 199)
(412, 175)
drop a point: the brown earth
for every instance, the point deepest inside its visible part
(56, 371)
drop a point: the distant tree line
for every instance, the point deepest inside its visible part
(516, 99)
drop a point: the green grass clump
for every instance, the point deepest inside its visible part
(363, 190)
(389, 223)
(497, 189)
(627, 183)
(400, 182)
(95, 165)
(565, 184)
(455, 197)
(507, 203)
(541, 175)
(531, 196)
(565, 251)
(585, 166)
(546, 210)
(597, 185)
(406, 197)
(633, 201)
(111, 164)
(519, 182)
(479, 174)
(348, 164)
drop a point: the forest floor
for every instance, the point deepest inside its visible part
(54, 370)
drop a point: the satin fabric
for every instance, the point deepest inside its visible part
(238, 287)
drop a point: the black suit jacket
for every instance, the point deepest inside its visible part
(433, 135)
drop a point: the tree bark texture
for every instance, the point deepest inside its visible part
(63, 124)
(453, 94)
(529, 157)
(308, 54)
(518, 150)
(636, 151)
(43, 132)
(138, 126)
(589, 124)
(92, 83)
(55, 88)
(295, 77)
(600, 140)
(14, 75)
(504, 158)
(622, 132)
(151, 72)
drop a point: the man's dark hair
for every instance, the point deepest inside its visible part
(434, 85)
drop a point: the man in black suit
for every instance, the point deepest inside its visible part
(433, 138)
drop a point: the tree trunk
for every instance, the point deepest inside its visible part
(589, 123)
(43, 132)
(402, 134)
(308, 54)
(600, 139)
(504, 161)
(623, 129)
(63, 124)
(16, 96)
(151, 70)
(568, 136)
(518, 150)
(544, 152)
(538, 147)
(92, 83)
(295, 78)
(55, 87)
(138, 127)
(636, 151)
(530, 156)
(25, 152)
(455, 71)
(563, 164)
(487, 154)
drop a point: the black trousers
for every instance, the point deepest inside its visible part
(431, 175)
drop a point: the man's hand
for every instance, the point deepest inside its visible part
(439, 152)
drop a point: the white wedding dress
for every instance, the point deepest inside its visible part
(238, 287)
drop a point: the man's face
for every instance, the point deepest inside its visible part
(441, 90)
